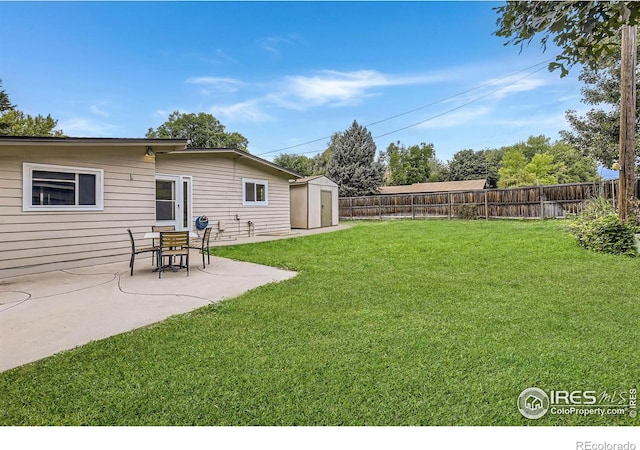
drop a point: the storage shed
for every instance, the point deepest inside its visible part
(314, 202)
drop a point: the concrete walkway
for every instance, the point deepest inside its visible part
(272, 237)
(43, 314)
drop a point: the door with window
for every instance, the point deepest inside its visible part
(173, 201)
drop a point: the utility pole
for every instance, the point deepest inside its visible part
(627, 120)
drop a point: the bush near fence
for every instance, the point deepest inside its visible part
(534, 202)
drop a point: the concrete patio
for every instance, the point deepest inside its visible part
(44, 314)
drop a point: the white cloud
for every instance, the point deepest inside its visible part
(340, 88)
(332, 88)
(218, 58)
(78, 126)
(326, 88)
(219, 83)
(96, 109)
(511, 86)
(248, 111)
(223, 57)
(499, 89)
(162, 113)
(272, 44)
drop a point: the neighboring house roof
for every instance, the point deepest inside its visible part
(164, 144)
(442, 186)
(236, 154)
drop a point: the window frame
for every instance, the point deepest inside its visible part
(255, 182)
(27, 187)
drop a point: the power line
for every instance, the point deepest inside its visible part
(488, 83)
(460, 106)
(459, 94)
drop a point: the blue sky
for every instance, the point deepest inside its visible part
(284, 74)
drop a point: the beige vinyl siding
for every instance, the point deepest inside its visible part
(217, 192)
(37, 241)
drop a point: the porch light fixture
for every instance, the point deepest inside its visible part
(150, 153)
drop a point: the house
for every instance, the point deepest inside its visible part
(314, 202)
(533, 403)
(442, 186)
(67, 202)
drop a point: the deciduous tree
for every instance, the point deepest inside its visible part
(321, 162)
(17, 123)
(571, 166)
(298, 163)
(597, 132)
(438, 170)
(513, 172)
(538, 161)
(583, 31)
(408, 165)
(201, 130)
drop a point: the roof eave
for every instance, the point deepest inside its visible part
(168, 144)
(238, 154)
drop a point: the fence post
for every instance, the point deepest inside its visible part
(379, 208)
(541, 202)
(450, 206)
(614, 196)
(413, 212)
(486, 204)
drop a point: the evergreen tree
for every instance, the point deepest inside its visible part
(476, 165)
(5, 103)
(353, 164)
(468, 165)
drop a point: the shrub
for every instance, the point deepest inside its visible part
(598, 228)
(468, 212)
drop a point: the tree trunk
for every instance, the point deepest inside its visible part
(627, 120)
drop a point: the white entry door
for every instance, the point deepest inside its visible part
(173, 201)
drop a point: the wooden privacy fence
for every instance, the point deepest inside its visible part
(535, 202)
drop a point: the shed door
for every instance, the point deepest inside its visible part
(326, 218)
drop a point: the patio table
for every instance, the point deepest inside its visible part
(156, 235)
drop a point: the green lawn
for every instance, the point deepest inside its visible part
(387, 323)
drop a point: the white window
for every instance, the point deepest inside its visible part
(255, 192)
(60, 188)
